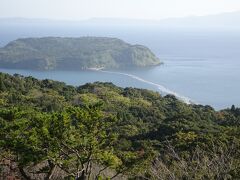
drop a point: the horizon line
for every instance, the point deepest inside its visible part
(114, 18)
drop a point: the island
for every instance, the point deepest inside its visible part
(58, 53)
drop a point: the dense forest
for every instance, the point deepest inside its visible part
(50, 53)
(50, 130)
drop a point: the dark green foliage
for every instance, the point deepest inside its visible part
(74, 54)
(124, 129)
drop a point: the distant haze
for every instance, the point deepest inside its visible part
(222, 21)
(130, 9)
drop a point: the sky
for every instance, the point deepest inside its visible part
(130, 9)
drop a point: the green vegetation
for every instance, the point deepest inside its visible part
(50, 130)
(74, 54)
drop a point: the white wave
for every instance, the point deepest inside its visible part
(160, 87)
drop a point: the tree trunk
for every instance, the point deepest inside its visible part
(82, 177)
(51, 171)
(23, 173)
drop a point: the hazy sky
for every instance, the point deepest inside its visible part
(134, 9)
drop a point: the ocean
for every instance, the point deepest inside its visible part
(202, 67)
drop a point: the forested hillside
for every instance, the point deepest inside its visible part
(51, 53)
(49, 130)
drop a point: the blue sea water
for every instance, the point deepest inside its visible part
(201, 66)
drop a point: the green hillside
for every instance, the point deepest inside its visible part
(98, 131)
(51, 53)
